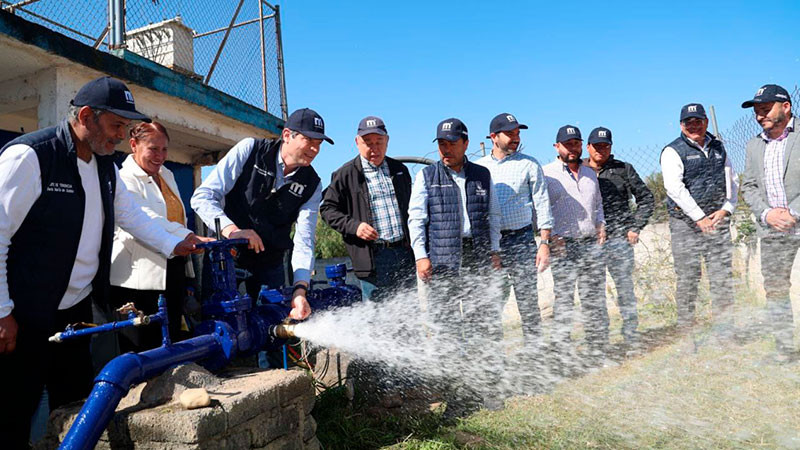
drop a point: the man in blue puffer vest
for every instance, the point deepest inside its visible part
(454, 225)
(701, 194)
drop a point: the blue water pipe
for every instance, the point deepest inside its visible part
(234, 326)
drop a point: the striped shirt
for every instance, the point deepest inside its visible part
(383, 202)
(576, 202)
(774, 166)
(521, 191)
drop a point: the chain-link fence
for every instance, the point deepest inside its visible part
(233, 46)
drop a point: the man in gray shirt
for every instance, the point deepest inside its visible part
(578, 233)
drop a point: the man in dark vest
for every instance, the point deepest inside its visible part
(258, 191)
(701, 194)
(367, 202)
(60, 197)
(454, 223)
(619, 182)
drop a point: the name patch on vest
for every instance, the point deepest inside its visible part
(262, 172)
(65, 188)
(693, 157)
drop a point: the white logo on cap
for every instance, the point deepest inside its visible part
(129, 97)
(318, 122)
(446, 126)
(570, 130)
(760, 91)
(601, 133)
(511, 118)
(692, 108)
(372, 123)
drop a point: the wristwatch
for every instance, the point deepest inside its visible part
(297, 287)
(545, 242)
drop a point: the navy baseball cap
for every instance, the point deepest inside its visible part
(600, 134)
(370, 125)
(568, 132)
(693, 110)
(451, 130)
(108, 94)
(505, 122)
(767, 94)
(307, 122)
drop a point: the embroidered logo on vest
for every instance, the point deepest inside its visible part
(296, 189)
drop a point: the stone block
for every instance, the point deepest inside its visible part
(289, 442)
(309, 428)
(308, 401)
(291, 387)
(170, 423)
(312, 444)
(249, 409)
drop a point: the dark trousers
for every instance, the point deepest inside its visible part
(65, 368)
(617, 257)
(689, 246)
(138, 339)
(464, 315)
(777, 258)
(518, 249)
(580, 263)
(394, 271)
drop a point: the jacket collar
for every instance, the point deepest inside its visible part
(65, 134)
(130, 165)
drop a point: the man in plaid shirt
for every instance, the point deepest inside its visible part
(771, 186)
(367, 202)
(524, 203)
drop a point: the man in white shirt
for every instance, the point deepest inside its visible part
(701, 194)
(578, 234)
(60, 197)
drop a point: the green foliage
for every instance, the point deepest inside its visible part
(329, 242)
(743, 221)
(655, 182)
(341, 425)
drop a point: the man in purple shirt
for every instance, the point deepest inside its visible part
(578, 232)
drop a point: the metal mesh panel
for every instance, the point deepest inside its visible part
(184, 35)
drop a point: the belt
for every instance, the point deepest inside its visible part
(384, 244)
(522, 230)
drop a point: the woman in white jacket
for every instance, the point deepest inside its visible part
(138, 273)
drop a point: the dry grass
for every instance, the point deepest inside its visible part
(722, 396)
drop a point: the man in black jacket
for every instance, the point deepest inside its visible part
(618, 183)
(367, 202)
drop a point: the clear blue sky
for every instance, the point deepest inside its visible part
(622, 65)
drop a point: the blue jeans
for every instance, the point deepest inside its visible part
(518, 251)
(618, 258)
(394, 269)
